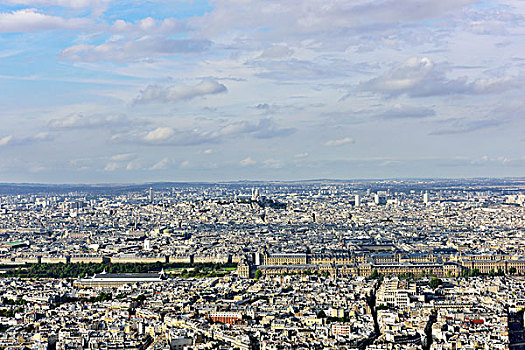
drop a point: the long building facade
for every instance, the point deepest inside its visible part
(385, 263)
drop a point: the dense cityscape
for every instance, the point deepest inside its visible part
(262, 175)
(394, 264)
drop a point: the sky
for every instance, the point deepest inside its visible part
(97, 91)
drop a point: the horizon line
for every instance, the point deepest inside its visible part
(260, 181)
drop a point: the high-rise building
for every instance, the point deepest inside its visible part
(255, 194)
(151, 195)
(258, 259)
(357, 200)
(426, 199)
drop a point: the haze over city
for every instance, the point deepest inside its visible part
(106, 91)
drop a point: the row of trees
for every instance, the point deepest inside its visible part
(259, 273)
(465, 273)
(476, 272)
(205, 270)
(330, 319)
(10, 312)
(62, 270)
(6, 301)
(407, 275)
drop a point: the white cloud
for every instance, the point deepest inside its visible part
(276, 51)
(64, 3)
(28, 20)
(147, 26)
(422, 77)
(462, 126)
(162, 164)
(11, 140)
(247, 162)
(96, 7)
(119, 161)
(159, 134)
(112, 166)
(406, 112)
(339, 142)
(298, 20)
(80, 121)
(175, 93)
(263, 129)
(123, 49)
(123, 157)
(134, 165)
(4, 141)
(272, 163)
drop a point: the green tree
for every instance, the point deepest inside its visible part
(474, 273)
(258, 274)
(435, 282)
(512, 270)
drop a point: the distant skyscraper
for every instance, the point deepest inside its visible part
(357, 200)
(426, 199)
(147, 244)
(377, 198)
(151, 195)
(258, 258)
(255, 194)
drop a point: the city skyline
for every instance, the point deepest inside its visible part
(430, 265)
(98, 92)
